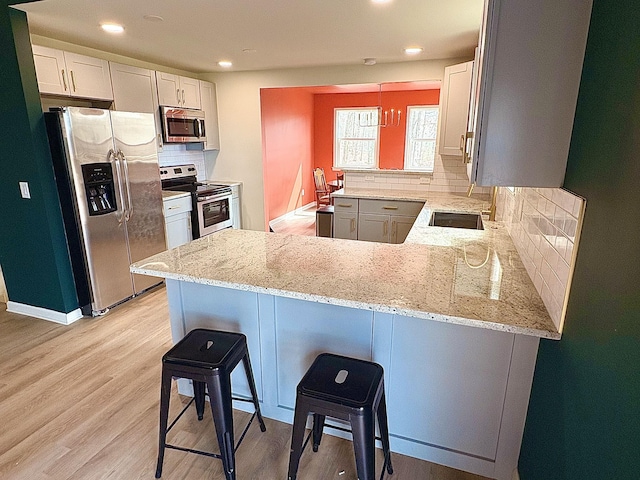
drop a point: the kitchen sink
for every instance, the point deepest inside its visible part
(457, 220)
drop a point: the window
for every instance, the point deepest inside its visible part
(355, 143)
(420, 147)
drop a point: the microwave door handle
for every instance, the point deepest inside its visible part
(120, 210)
(196, 127)
(129, 210)
(203, 133)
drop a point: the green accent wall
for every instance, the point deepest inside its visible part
(584, 414)
(33, 252)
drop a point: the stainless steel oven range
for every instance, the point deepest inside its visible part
(212, 205)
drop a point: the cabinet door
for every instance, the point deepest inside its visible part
(168, 89)
(88, 77)
(345, 225)
(210, 108)
(133, 88)
(456, 87)
(400, 226)
(474, 396)
(190, 92)
(50, 70)
(527, 100)
(236, 217)
(373, 227)
(178, 230)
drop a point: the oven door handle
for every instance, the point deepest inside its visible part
(214, 197)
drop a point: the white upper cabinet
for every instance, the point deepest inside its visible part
(210, 108)
(530, 63)
(133, 88)
(70, 74)
(454, 107)
(177, 91)
(50, 70)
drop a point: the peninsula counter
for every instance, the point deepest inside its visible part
(450, 314)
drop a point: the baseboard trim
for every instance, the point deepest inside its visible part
(44, 313)
(290, 214)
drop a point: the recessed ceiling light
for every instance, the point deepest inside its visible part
(369, 61)
(112, 27)
(225, 63)
(153, 18)
(380, 1)
(413, 50)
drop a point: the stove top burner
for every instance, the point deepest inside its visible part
(207, 188)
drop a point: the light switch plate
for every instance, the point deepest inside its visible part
(368, 178)
(24, 190)
(425, 180)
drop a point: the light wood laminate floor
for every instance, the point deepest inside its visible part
(302, 222)
(80, 402)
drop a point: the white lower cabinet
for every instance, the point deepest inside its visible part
(177, 217)
(345, 218)
(456, 395)
(400, 226)
(386, 221)
(373, 227)
(236, 214)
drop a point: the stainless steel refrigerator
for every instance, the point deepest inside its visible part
(106, 169)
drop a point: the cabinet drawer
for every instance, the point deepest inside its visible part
(391, 207)
(175, 205)
(345, 205)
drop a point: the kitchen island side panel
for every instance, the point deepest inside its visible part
(456, 395)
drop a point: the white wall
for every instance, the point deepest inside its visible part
(240, 156)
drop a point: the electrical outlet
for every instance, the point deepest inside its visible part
(24, 190)
(425, 180)
(368, 178)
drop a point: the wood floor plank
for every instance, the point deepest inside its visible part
(80, 402)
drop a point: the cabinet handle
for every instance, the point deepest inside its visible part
(345, 205)
(73, 80)
(64, 80)
(172, 208)
(463, 142)
(466, 158)
(353, 224)
(389, 208)
(183, 100)
(178, 95)
(393, 228)
(385, 229)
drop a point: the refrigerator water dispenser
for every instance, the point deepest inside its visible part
(99, 188)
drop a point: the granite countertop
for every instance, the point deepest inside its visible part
(166, 194)
(467, 277)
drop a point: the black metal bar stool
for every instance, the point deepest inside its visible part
(347, 389)
(208, 357)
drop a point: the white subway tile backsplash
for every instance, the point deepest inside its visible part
(543, 223)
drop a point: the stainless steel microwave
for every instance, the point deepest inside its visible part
(182, 125)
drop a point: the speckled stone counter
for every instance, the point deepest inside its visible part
(459, 276)
(167, 194)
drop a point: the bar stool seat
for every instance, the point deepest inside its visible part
(208, 357)
(347, 389)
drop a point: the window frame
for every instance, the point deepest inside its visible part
(408, 140)
(336, 140)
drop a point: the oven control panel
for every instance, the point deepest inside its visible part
(179, 171)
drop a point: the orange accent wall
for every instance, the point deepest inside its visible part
(392, 139)
(287, 149)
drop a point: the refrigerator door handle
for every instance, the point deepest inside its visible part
(129, 209)
(116, 160)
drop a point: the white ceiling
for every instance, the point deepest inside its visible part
(196, 34)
